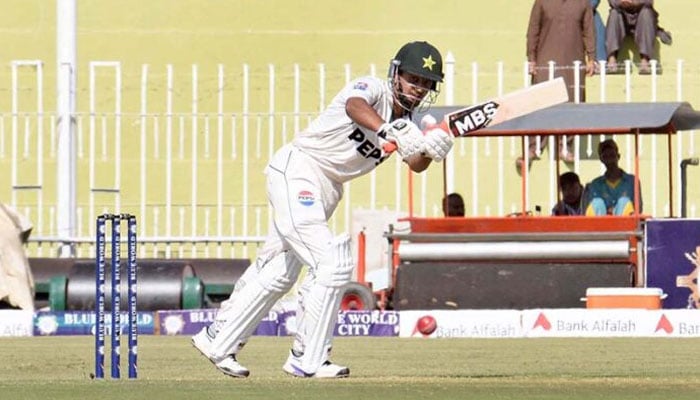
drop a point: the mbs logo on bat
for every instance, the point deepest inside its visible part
(473, 118)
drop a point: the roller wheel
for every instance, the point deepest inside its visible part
(357, 296)
(57, 292)
(192, 293)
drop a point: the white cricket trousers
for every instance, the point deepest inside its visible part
(301, 199)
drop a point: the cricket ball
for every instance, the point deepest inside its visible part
(427, 121)
(426, 325)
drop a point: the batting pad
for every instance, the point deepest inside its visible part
(320, 315)
(321, 299)
(260, 288)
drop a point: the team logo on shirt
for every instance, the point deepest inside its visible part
(360, 86)
(306, 198)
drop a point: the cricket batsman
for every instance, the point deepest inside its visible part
(369, 120)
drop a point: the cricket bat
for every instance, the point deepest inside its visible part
(509, 106)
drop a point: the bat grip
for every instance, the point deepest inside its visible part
(442, 125)
(439, 125)
(388, 146)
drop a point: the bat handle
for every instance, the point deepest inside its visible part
(388, 147)
(441, 125)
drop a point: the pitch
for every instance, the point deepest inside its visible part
(381, 368)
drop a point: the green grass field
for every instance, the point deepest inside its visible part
(381, 368)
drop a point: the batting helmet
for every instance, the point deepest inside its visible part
(421, 59)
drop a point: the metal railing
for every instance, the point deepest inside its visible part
(185, 152)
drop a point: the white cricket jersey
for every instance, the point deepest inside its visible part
(343, 149)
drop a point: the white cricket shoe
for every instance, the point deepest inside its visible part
(327, 370)
(229, 365)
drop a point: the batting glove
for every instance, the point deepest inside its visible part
(405, 134)
(437, 143)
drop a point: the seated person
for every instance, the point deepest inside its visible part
(637, 18)
(453, 205)
(613, 192)
(571, 195)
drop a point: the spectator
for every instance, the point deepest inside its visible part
(613, 192)
(560, 31)
(600, 53)
(453, 205)
(571, 195)
(637, 18)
